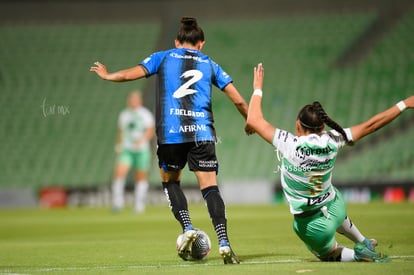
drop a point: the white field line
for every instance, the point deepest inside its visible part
(109, 267)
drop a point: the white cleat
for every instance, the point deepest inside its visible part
(228, 255)
(184, 249)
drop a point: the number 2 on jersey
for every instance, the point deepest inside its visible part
(183, 90)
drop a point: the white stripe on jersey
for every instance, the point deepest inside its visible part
(307, 163)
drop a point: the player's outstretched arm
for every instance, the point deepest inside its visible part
(255, 118)
(119, 76)
(381, 119)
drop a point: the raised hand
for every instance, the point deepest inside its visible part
(258, 77)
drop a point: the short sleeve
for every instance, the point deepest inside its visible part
(221, 78)
(339, 138)
(152, 63)
(284, 141)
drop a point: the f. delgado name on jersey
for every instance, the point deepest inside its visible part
(184, 112)
(189, 128)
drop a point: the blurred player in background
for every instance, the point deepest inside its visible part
(185, 131)
(308, 160)
(136, 129)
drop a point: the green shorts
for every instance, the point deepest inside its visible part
(137, 160)
(317, 231)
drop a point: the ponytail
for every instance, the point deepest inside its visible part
(328, 121)
(312, 118)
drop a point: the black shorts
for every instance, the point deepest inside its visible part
(200, 156)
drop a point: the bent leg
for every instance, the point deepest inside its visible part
(318, 230)
(349, 230)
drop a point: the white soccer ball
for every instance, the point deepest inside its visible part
(201, 246)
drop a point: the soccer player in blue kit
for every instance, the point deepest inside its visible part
(184, 125)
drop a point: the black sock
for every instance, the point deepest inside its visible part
(177, 202)
(217, 211)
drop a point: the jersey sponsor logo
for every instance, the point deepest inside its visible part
(207, 163)
(305, 151)
(187, 56)
(184, 112)
(188, 128)
(318, 200)
(225, 75)
(183, 90)
(317, 164)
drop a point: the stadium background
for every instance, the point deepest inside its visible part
(58, 120)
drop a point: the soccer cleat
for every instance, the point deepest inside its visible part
(227, 253)
(184, 248)
(364, 254)
(371, 244)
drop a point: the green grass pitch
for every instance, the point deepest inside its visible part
(96, 241)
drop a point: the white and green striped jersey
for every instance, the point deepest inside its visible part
(133, 124)
(306, 169)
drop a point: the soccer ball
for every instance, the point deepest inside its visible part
(201, 246)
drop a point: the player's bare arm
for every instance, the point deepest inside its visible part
(241, 105)
(381, 119)
(133, 73)
(255, 118)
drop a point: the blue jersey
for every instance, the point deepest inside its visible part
(183, 97)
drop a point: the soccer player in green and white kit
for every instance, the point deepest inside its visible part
(308, 160)
(136, 129)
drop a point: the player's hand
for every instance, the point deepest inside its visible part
(99, 69)
(249, 131)
(409, 102)
(258, 77)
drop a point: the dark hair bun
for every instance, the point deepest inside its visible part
(189, 31)
(189, 22)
